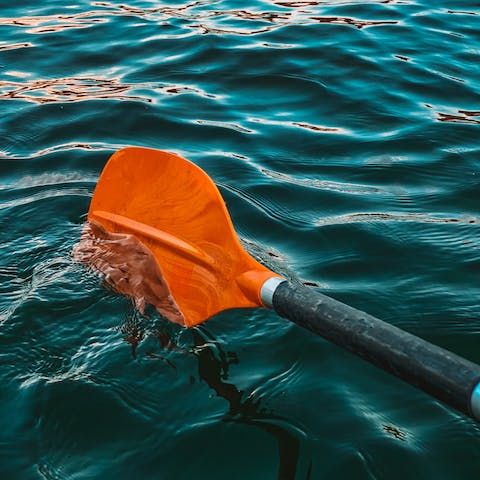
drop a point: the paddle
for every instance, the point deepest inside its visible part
(175, 209)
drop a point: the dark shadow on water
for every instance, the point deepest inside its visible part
(213, 366)
(137, 326)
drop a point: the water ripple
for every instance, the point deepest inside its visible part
(355, 22)
(228, 125)
(72, 89)
(302, 125)
(212, 21)
(53, 23)
(394, 217)
(461, 116)
(323, 184)
(78, 89)
(15, 46)
(344, 138)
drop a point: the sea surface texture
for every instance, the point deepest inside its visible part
(345, 139)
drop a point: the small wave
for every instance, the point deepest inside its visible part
(275, 211)
(15, 46)
(456, 115)
(272, 259)
(462, 116)
(279, 383)
(198, 15)
(66, 147)
(314, 3)
(53, 23)
(68, 89)
(354, 22)
(323, 184)
(461, 12)
(78, 89)
(42, 274)
(231, 126)
(392, 217)
(44, 194)
(302, 125)
(45, 179)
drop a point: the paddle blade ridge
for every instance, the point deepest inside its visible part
(175, 210)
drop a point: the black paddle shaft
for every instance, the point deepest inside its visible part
(440, 373)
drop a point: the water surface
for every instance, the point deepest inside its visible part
(344, 137)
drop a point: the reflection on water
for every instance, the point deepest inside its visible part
(78, 89)
(231, 126)
(343, 135)
(281, 20)
(462, 12)
(463, 116)
(459, 116)
(14, 46)
(128, 267)
(213, 368)
(395, 432)
(356, 22)
(72, 89)
(53, 23)
(312, 3)
(137, 327)
(203, 18)
(304, 125)
(350, 188)
(393, 217)
(213, 363)
(73, 146)
(315, 128)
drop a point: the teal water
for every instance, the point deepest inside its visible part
(345, 138)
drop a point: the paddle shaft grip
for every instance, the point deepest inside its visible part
(440, 373)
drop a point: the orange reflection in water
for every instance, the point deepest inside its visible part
(76, 89)
(316, 128)
(310, 3)
(356, 22)
(128, 267)
(281, 20)
(460, 116)
(70, 89)
(198, 14)
(14, 46)
(304, 125)
(463, 116)
(276, 20)
(54, 23)
(313, 3)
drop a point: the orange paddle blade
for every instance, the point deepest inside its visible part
(175, 209)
